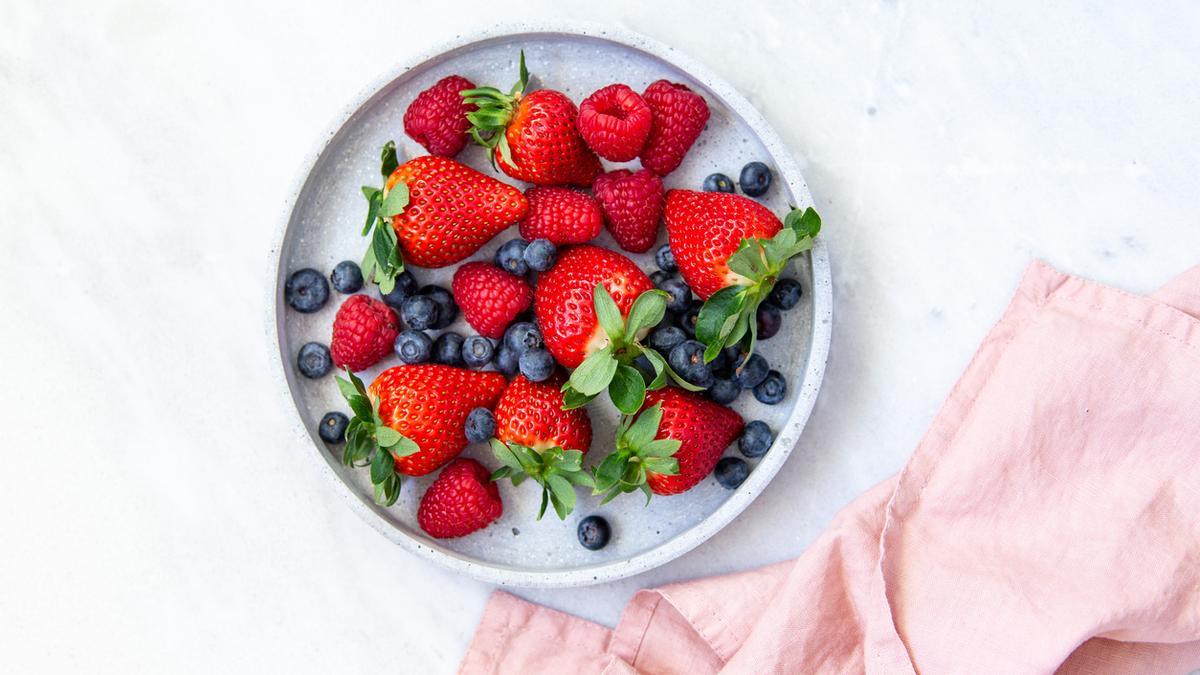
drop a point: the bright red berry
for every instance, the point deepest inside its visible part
(633, 204)
(462, 500)
(704, 429)
(615, 122)
(531, 414)
(489, 297)
(562, 215)
(437, 118)
(705, 228)
(679, 116)
(363, 332)
(564, 305)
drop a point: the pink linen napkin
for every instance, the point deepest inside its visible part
(1049, 521)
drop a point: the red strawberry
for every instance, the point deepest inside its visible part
(536, 438)
(673, 443)
(363, 332)
(563, 299)
(451, 210)
(562, 215)
(615, 122)
(428, 404)
(731, 250)
(679, 116)
(532, 135)
(437, 118)
(462, 500)
(490, 298)
(633, 206)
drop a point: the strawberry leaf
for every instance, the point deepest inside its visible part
(395, 201)
(608, 314)
(573, 399)
(806, 223)
(593, 375)
(627, 389)
(555, 469)
(646, 312)
(388, 161)
(382, 466)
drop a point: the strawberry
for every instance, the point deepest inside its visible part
(410, 420)
(437, 118)
(671, 446)
(462, 500)
(594, 307)
(562, 215)
(633, 206)
(731, 250)
(363, 331)
(490, 298)
(679, 116)
(536, 438)
(614, 122)
(531, 135)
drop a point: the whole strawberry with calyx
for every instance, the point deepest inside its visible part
(614, 122)
(670, 447)
(536, 438)
(562, 215)
(410, 420)
(489, 297)
(632, 202)
(437, 117)
(731, 251)
(593, 307)
(432, 212)
(679, 116)
(462, 500)
(364, 330)
(531, 135)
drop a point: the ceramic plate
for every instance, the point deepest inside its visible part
(323, 227)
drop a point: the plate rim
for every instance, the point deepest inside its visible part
(786, 438)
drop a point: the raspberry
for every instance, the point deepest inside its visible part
(437, 118)
(462, 500)
(615, 122)
(490, 298)
(679, 116)
(632, 205)
(562, 215)
(363, 332)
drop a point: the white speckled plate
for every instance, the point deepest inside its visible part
(323, 229)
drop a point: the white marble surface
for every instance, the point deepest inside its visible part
(157, 514)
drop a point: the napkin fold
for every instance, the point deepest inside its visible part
(1049, 521)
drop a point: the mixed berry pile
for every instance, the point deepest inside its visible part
(560, 323)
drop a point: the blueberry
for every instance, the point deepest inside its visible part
(346, 277)
(750, 372)
(406, 285)
(447, 308)
(540, 255)
(332, 428)
(769, 319)
(523, 336)
(679, 296)
(755, 179)
(306, 291)
(687, 360)
(756, 439)
(687, 319)
(480, 425)
(731, 471)
(507, 361)
(643, 366)
(718, 182)
(724, 391)
(786, 294)
(665, 339)
(723, 365)
(419, 312)
(477, 351)
(720, 364)
(511, 257)
(413, 346)
(665, 258)
(594, 533)
(772, 389)
(536, 364)
(448, 349)
(314, 360)
(657, 277)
